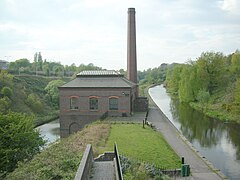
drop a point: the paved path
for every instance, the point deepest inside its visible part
(200, 168)
(103, 170)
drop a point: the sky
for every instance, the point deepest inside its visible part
(95, 31)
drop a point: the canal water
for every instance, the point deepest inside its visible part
(219, 142)
(50, 131)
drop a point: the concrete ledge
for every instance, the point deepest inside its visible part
(85, 165)
(107, 156)
(116, 170)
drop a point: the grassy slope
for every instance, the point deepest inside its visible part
(143, 144)
(25, 85)
(61, 160)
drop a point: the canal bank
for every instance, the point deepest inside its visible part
(200, 167)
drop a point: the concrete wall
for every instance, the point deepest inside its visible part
(85, 165)
(141, 104)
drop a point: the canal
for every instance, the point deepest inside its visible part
(50, 131)
(219, 142)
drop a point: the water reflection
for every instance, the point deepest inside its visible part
(218, 141)
(195, 126)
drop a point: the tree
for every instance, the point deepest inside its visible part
(237, 92)
(173, 78)
(46, 69)
(40, 61)
(6, 79)
(52, 91)
(34, 103)
(203, 98)
(7, 91)
(5, 104)
(18, 140)
(235, 64)
(185, 84)
(211, 69)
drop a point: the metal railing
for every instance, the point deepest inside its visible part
(119, 168)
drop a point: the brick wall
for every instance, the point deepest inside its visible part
(74, 120)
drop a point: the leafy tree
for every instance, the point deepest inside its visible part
(235, 64)
(237, 92)
(34, 103)
(5, 104)
(40, 61)
(18, 140)
(52, 91)
(23, 63)
(6, 79)
(211, 68)
(7, 91)
(185, 84)
(173, 78)
(46, 69)
(203, 98)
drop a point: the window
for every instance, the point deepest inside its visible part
(74, 103)
(113, 103)
(93, 103)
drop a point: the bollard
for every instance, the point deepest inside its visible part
(182, 160)
(143, 124)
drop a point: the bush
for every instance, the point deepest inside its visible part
(52, 91)
(7, 91)
(18, 140)
(34, 103)
(5, 104)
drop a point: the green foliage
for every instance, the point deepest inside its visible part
(235, 64)
(237, 92)
(5, 104)
(18, 140)
(211, 68)
(203, 98)
(34, 103)
(173, 78)
(32, 88)
(47, 68)
(52, 91)
(5, 79)
(142, 144)
(211, 81)
(7, 91)
(185, 86)
(61, 159)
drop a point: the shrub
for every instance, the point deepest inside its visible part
(7, 91)
(18, 140)
(34, 103)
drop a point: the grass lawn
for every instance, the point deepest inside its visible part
(142, 144)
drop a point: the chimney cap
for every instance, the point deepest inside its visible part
(131, 9)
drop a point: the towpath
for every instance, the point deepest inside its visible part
(200, 167)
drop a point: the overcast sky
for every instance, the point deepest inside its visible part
(95, 31)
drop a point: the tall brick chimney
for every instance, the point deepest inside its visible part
(131, 47)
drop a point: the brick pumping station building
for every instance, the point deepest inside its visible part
(94, 95)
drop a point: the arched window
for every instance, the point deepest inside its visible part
(113, 103)
(93, 103)
(73, 102)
